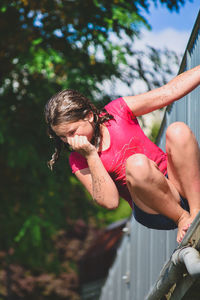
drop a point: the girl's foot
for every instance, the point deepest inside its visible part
(184, 223)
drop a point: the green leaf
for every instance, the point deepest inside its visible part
(1, 138)
(96, 3)
(36, 234)
(3, 9)
(37, 41)
(23, 230)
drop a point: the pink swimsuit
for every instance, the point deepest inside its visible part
(126, 139)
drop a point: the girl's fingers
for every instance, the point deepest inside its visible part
(78, 142)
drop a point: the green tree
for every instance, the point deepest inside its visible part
(45, 46)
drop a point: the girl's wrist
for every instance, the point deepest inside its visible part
(92, 154)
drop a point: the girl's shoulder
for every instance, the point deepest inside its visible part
(119, 107)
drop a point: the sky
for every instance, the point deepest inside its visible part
(171, 29)
(160, 17)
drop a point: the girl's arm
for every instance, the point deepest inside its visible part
(95, 178)
(177, 88)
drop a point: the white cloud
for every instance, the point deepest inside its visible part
(168, 38)
(171, 39)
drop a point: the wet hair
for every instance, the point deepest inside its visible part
(71, 106)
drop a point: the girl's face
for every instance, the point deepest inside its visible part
(83, 127)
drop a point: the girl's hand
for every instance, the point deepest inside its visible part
(82, 145)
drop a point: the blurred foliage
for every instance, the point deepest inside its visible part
(154, 131)
(107, 217)
(46, 46)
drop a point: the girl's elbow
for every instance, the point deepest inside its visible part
(113, 207)
(112, 204)
(109, 204)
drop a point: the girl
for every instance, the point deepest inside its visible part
(112, 157)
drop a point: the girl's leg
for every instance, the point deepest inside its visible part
(153, 192)
(184, 164)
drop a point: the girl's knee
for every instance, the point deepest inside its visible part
(138, 169)
(178, 133)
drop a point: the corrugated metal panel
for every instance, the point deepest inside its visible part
(138, 262)
(143, 251)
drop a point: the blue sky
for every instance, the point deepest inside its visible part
(161, 18)
(170, 29)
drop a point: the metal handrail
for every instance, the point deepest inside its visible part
(173, 269)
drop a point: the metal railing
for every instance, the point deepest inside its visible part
(143, 251)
